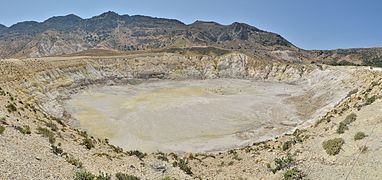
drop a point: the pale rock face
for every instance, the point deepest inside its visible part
(232, 65)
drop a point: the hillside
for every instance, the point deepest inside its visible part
(72, 34)
(356, 56)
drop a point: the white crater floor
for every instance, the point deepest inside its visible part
(188, 116)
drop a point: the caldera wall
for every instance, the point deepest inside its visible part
(49, 80)
(38, 86)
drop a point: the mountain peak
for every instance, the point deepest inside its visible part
(69, 17)
(204, 23)
(68, 22)
(109, 14)
(243, 26)
(25, 25)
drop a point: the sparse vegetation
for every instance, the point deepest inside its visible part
(74, 161)
(343, 126)
(288, 144)
(370, 100)
(108, 156)
(103, 176)
(281, 163)
(161, 156)
(52, 126)
(137, 153)
(230, 163)
(200, 51)
(58, 120)
(363, 149)
(24, 129)
(236, 157)
(333, 146)
(323, 119)
(88, 143)
(359, 136)
(11, 108)
(116, 148)
(122, 176)
(293, 174)
(2, 129)
(57, 150)
(350, 118)
(46, 133)
(84, 175)
(183, 165)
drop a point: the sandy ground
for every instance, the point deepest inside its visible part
(188, 116)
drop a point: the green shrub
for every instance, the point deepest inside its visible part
(103, 176)
(162, 156)
(333, 146)
(293, 174)
(343, 126)
(116, 148)
(11, 108)
(24, 129)
(183, 165)
(74, 161)
(84, 175)
(350, 118)
(122, 176)
(137, 153)
(282, 163)
(108, 156)
(359, 136)
(287, 145)
(2, 129)
(57, 150)
(88, 143)
(58, 120)
(370, 100)
(46, 133)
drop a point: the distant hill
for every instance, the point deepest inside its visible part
(119, 34)
(71, 34)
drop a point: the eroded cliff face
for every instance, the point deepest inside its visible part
(38, 86)
(50, 80)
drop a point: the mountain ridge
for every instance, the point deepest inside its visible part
(71, 34)
(68, 34)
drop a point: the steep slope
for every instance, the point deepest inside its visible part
(71, 34)
(356, 56)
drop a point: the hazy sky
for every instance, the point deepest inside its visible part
(309, 24)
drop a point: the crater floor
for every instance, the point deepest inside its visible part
(188, 116)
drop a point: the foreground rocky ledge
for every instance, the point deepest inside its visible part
(40, 142)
